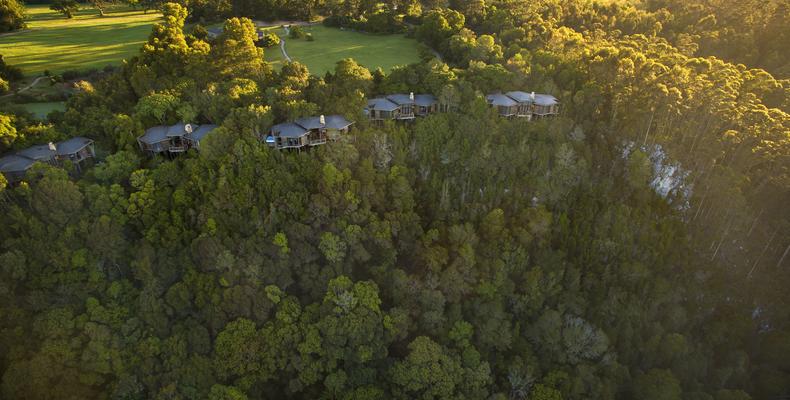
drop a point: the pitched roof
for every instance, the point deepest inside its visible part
(15, 163)
(198, 134)
(382, 104)
(545, 100)
(499, 99)
(519, 96)
(73, 145)
(179, 129)
(38, 152)
(425, 100)
(310, 122)
(289, 130)
(400, 99)
(154, 135)
(337, 122)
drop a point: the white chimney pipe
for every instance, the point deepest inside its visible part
(322, 120)
(52, 147)
(411, 96)
(532, 96)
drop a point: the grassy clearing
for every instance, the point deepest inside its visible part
(87, 41)
(42, 109)
(332, 45)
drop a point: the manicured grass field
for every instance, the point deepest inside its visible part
(87, 41)
(332, 45)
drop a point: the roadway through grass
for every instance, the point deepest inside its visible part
(332, 45)
(86, 41)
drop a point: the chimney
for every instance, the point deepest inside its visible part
(322, 120)
(532, 96)
(188, 128)
(52, 147)
(411, 96)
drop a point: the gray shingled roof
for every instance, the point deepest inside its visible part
(198, 134)
(38, 152)
(15, 163)
(499, 99)
(400, 99)
(289, 130)
(382, 104)
(545, 100)
(519, 96)
(425, 100)
(337, 122)
(73, 145)
(178, 130)
(154, 135)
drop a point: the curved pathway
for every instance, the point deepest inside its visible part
(282, 44)
(35, 81)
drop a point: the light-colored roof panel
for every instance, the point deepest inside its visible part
(198, 134)
(498, 99)
(519, 96)
(289, 130)
(337, 122)
(179, 130)
(40, 152)
(73, 145)
(545, 100)
(14, 163)
(310, 122)
(382, 104)
(400, 99)
(425, 100)
(154, 134)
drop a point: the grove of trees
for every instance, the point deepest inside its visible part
(634, 247)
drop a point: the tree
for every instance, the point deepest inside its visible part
(65, 7)
(12, 16)
(657, 384)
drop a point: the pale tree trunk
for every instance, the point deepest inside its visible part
(757, 261)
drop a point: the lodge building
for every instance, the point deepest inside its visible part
(78, 150)
(307, 132)
(174, 139)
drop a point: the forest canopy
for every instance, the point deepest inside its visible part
(633, 247)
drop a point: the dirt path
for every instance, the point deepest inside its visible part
(35, 81)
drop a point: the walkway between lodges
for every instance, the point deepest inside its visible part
(282, 43)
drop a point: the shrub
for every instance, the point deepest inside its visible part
(309, 37)
(296, 32)
(269, 40)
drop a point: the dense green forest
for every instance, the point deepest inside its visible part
(633, 247)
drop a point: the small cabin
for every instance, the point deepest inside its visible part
(525, 101)
(288, 135)
(308, 131)
(14, 167)
(425, 104)
(177, 134)
(545, 105)
(78, 150)
(380, 109)
(505, 106)
(154, 141)
(405, 103)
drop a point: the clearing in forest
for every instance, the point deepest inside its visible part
(332, 45)
(86, 41)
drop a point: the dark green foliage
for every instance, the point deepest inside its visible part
(65, 7)
(458, 256)
(12, 15)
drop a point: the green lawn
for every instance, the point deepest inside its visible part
(57, 44)
(332, 45)
(42, 109)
